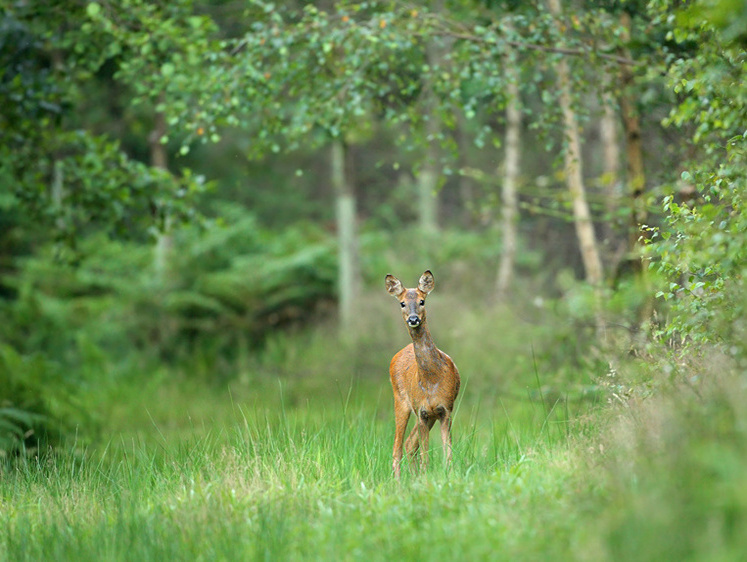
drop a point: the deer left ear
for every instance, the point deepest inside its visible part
(426, 283)
(394, 286)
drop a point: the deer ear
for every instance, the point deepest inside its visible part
(394, 286)
(426, 283)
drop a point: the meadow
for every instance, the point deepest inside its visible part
(291, 460)
(199, 201)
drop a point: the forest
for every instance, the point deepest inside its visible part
(200, 201)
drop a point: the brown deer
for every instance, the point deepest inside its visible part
(425, 380)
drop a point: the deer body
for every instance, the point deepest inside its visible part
(425, 381)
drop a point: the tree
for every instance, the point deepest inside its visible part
(511, 162)
(347, 239)
(701, 249)
(49, 163)
(573, 172)
(429, 173)
(66, 180)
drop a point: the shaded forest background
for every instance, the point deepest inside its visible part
(201, 195)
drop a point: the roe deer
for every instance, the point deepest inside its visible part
(425, 380)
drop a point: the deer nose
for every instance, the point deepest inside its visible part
(413, 320)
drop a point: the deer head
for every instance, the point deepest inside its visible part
(412, 301)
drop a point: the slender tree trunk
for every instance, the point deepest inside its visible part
(164, 241)
(510, 210)
(610, 154)
(636, 176)
(633, 149)
(58, 192)
(58, 176)
(574, 178)
(430, 170)
(608, 133)
(346, 238)
(428, 176)
(466, 183)
(573, 171)
(158, 159)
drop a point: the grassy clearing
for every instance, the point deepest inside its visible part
(661, 478)
(293, 488)
(291, 460)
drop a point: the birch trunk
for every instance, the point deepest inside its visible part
(346, 238)
(573, 172)
(466, 186)
(636, 178)
(510, 210)
(634, 154)
(158, 159)
(611, 183)
(428, 176)
(608, 131)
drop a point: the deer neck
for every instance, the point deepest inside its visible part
(426, 353)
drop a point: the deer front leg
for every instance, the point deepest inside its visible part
(401, 416)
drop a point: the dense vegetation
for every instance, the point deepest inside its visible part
(199, 201)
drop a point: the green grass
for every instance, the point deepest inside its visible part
(295, 484)
(290, 459)
(660, 479)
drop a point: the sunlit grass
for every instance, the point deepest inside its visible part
(530, 480)
(285, 484)
(290, 459)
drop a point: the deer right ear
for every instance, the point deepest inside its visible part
(394, 286)
(426, 282)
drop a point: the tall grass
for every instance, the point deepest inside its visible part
(291, 486)
(289, 458)
(662, 477)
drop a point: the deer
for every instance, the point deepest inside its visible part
(425, 381)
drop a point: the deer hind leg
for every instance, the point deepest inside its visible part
(446, 436)
(401, 416)
(424, 429)
(412, 444)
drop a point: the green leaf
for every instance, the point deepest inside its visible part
(167, 69)
(93, 9)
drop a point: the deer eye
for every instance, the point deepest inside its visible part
(402, 304)
(422, 303)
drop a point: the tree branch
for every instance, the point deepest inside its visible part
(466, 36)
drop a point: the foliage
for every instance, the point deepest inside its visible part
(67, 179)
(702, 249)
(245, 280)
(238, 280)
(110, 349)
(674, 466)
(38, 405)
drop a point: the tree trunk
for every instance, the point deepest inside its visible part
(346, 239)
(636, 178)
(573, 168)
(634, 154)
(573, 172)
(466, 183)
(58, 193)
(610, 155)
(158, 159)
(428, 176)
(430, 169)
(608, 133)
(510, 210)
